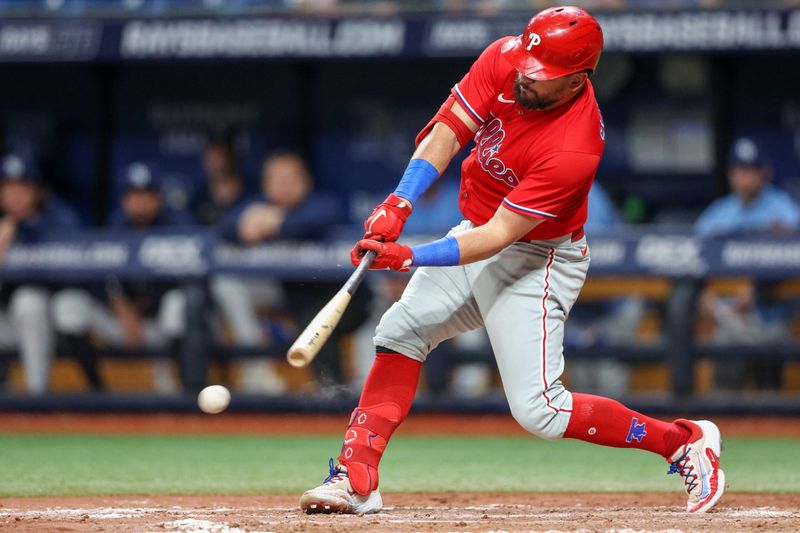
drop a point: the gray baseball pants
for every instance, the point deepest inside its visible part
(522, 295)
(26, 325)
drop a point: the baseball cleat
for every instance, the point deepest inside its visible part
(336, 496)
(697, 462)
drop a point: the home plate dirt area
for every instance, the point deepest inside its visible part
(404, 512)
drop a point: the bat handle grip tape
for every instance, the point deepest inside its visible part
(357, 276)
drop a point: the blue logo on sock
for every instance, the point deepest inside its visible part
(637, 431)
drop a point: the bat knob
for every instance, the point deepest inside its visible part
(299, 357)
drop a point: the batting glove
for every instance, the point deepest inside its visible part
(387, 219)
(390, 255)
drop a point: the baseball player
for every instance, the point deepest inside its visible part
(132, 313)
(515, 265)
(29, 213)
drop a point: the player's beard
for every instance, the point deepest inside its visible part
(530, 99)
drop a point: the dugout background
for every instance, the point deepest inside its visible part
(670, 116)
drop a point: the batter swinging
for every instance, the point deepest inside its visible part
(515, 265)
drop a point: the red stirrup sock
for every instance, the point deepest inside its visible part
(385, 402)
(605, 421)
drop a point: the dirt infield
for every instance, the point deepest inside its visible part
(260, 424)
(404, 512)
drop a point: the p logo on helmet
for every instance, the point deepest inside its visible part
(535, 40)
(556, 42)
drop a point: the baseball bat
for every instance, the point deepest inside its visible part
(311, 340)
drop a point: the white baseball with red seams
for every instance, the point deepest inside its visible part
(522, 296)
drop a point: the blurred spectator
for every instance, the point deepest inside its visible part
(602, 214)
(225, 190)
(314, 6)
(749, 315)
(133, 313)
(288, 207)
(225, 185)
(29, 213)
(436, 211)
(142, 205)
(73, 8)
(754, 205)
(611, 323)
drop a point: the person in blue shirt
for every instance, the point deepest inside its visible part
(29, 213)
(602, 213)
(747, 316)
(225, 190)
(130, 313)
(437, 210)
(289, 207)
(754, 204)
(27, 205)
(142, 206)
(224, 185)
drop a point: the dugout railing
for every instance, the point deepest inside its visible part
(189, 258)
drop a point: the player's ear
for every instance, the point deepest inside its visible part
(577, 80)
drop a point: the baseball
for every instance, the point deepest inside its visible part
(214, 399)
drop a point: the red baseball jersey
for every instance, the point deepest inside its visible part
(536, 163)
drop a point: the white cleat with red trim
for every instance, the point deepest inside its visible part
(336, 496)
(697, 462)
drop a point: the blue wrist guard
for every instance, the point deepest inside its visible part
(419, 175)
(444, 252)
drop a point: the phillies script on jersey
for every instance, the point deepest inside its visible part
(536, 163)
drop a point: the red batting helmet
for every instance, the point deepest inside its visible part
(557, 41)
